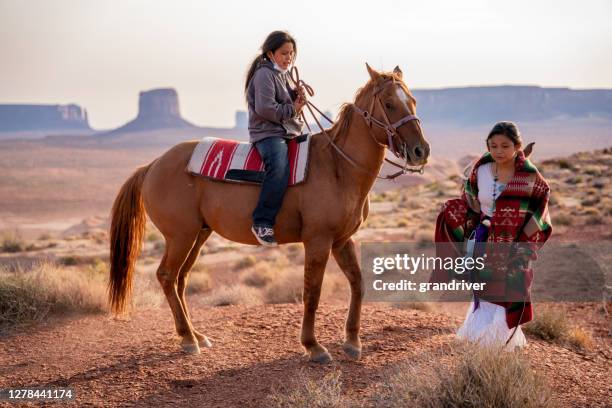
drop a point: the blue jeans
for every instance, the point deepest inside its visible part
(273, 151)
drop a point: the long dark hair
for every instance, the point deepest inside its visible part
(507, 129)
(273, 42)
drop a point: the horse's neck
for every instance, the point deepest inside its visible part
(357, 144)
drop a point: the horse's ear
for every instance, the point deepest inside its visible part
(398, 71)
(528, 149)
(373, 73)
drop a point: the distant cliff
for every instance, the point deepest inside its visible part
(157, 109)
(477, 105)
(18, 118)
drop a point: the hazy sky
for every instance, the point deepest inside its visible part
(101, 53)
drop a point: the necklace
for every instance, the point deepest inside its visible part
(495, 179)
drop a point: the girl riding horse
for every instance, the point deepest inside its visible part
(274, 118)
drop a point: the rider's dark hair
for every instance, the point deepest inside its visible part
(273, 42)
(507, 129)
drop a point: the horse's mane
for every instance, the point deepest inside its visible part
(343, 121)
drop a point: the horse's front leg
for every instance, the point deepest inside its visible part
(316, 256)
(347, 260)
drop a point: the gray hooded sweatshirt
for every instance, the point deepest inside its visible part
(270, 100)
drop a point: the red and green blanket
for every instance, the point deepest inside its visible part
(520, 215)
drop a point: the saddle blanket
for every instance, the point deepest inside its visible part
(240, 162)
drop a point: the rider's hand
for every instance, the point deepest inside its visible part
(299, 103)
(301, 92)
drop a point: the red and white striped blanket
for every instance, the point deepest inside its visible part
(240, 162)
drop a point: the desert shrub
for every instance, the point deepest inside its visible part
(245, 262)
(69, 260)
(286, 286)
(153, 237)
(198, 282)
(12, 242)
(260, 276)
(148, 292)
(564, 164)
(562, 219)
(306, 392)
(553, 326)
(403, 223)
(591, 201)
(159, 246)
(234, 295)
(31, 295)
(549, 324)
(480, 377)
(423, 306)
(575, 180)
(44, 236)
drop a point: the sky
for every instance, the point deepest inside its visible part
(101, 53)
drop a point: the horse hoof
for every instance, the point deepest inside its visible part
(322, 357)
(205, 342)
(191, 348)
(351, 351)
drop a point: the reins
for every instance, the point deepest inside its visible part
(390, 129)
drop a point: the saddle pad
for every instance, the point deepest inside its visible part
(240, 162)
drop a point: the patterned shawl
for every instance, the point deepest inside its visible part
(520, 215)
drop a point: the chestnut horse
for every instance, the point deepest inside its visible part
(322, 213)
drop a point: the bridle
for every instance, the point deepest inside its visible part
(390, 128)
(387, 126)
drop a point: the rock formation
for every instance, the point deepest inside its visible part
(157, 109)
(18, 118)
(488, 104)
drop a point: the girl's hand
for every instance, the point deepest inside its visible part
(301, 92)
(299, 103)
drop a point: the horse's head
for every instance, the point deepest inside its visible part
(390, 110)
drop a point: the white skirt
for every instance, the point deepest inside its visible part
(487, 327)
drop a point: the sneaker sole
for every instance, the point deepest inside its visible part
(262, 242)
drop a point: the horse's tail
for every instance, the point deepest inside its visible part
(126, 233)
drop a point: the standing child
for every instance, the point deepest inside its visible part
(274, 118)
(505, 203)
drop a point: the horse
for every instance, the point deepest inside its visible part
(323, 212)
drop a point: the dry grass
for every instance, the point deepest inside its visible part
(147, 291)
(553, 326)
(308, 392)
(234, 295)
(549, 324)
(286, 287)
(260, 276)
(423, 306)
(579, 338)
(198, 282)
(278, 280)
(31, 295)
(154, 236)
(12, 242)
(480, 377)
(245, 262)
(562, 219)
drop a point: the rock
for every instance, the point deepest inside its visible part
(17, 118)
(599, 183)
(157, 109)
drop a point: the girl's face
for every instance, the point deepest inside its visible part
(283, 56)
(502, 148)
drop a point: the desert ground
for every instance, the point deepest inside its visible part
(56, 330)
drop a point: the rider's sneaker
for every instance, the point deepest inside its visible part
(264, 235)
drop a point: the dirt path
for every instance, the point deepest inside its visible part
(138, 362)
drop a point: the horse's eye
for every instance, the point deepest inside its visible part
(388, 105)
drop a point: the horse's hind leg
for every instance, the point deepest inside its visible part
(183, 280)
(347, 260)
(317, 254)
(177, 250)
